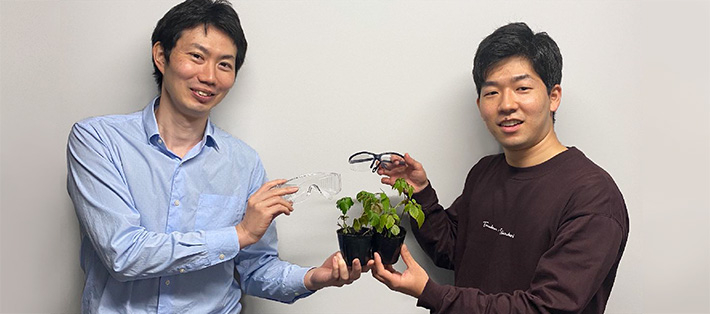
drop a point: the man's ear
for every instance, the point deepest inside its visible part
(555, 97)
(159, 57)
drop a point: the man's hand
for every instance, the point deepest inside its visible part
(409, 169)
(333, 272)
(411, 282)
(262, 207)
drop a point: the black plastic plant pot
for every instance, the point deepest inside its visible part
(355, 245)
(388, 248)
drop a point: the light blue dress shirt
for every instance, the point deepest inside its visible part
(157, 231)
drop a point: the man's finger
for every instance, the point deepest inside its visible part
(387, 180)
(366, 267)
(376, 272)
(343, 270)
(382, 274)
(407, 257)
(370, 265)
(356, 271)
(268, 185)
(334, 267)
(283, 190)
(275, 206)
(411, 161)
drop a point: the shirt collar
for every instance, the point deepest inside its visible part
(209, 139)
(150, 126)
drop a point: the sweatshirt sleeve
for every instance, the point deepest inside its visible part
(437, 236)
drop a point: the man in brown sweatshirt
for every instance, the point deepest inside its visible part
(537, 229)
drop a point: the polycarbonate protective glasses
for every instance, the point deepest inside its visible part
(326, 183)
(363, 161)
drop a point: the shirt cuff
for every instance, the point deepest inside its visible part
(296, 283)
(432, 295)
(426, 197)
(223, 245)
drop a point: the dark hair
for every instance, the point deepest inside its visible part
(518, 40)
(191, 13)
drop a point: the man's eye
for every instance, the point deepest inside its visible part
(524, 88)
(226, 65)
(196, 56)
(491, 93)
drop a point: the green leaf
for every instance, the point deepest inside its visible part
(364, 195)
(417, 214)
(344, 204)
(390, 222)
(395, 230)
(407, 208)
(403, 187)
(356, 225)
(399, 185)
(385, 201)
(374, 220)
(381, 223)
(363, 221)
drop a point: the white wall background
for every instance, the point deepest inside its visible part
(324, 79)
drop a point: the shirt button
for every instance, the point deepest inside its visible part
(167, 282)
(221, 256)
(160, 141)
(177, 203)
(297, 294)
(182, 270)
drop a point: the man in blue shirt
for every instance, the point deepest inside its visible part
(176, 215)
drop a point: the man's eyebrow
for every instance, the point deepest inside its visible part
(207, 52)
(516, 78)
(521, 77)
(489, 83)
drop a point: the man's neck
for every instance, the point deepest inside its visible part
(179, 132)
(541, 152)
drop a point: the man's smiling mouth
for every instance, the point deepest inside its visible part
(509, 123)
(202, 93)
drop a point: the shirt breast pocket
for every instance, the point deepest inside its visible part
(217, 211)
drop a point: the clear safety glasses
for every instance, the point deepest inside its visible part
(326, 183)
(363, 161)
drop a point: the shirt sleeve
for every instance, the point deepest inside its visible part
(109, 219)
(566, 277)
(264, 275)
(261, 272)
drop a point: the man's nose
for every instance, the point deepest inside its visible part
(207, 74)
(508, 102)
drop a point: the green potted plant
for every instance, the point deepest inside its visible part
(355, 241)
(384, 218)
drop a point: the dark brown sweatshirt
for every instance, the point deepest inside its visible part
(543, 239)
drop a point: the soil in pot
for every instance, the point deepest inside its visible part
(355, 245)
(388, 248)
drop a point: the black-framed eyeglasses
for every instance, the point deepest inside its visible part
(363, 161)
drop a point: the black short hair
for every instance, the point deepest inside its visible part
(191, 13)
(518, 40)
